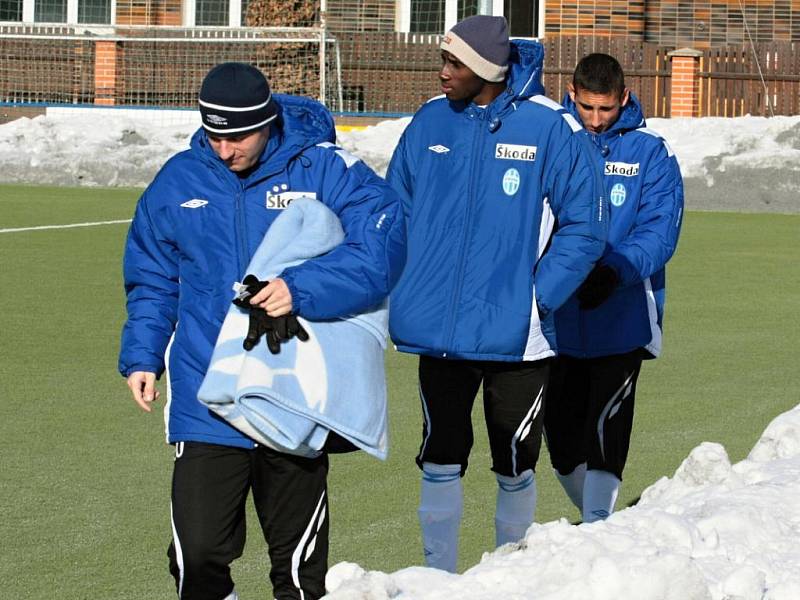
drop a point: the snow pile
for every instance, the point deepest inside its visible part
(718, 145)
(744, 163)
(711, 532)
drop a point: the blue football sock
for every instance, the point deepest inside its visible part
(516, 505)
(440, 507)
(600, 491)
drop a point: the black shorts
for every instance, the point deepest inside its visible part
(210, 485)
(513, 405)
(589, 414)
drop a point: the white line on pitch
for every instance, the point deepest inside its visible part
(70, 226)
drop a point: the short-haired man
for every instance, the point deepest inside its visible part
(505, 218)
(615, 318)
(195, 230)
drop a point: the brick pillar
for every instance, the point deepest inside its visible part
(105, 72)
(685, 86)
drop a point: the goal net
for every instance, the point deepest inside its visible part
(159, 67)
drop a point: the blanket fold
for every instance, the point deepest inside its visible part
(335, 381)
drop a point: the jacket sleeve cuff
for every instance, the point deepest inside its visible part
(625, 271)
(299, 304)
(157, 369)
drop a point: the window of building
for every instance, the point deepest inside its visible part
(94, 11)
(10, 10)
(50, 11)
(522, 17)
(437, 16)
(427, 16)
(467, 8)
(211, 12)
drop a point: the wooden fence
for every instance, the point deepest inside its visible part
(385, 73)
(731, 84)
(396, 73)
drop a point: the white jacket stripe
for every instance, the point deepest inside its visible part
(168, 403)
(654, 346)
(537, 346)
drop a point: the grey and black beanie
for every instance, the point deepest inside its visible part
(235, 99)
(481, 43)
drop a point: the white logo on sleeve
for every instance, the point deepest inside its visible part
(194, 203)
(623, 169)
(515, 152)
(439, 149)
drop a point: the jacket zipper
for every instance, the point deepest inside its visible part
(476, 144)
(241, 229)
(600, 184)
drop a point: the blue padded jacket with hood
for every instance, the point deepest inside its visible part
(197, 226)
(645, 192)
(505, 217)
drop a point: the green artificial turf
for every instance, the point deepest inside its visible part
(85, 474)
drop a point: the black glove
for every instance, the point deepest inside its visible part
(252, 287)
(287, 327)
(276, 329)
(260, 322)
(599, 285)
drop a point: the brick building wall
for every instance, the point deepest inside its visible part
(149, 12)
(704, 24)
(698, 23)
(595, 17)
(361, 15)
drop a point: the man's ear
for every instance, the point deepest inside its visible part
(626, 95)
(571, 91)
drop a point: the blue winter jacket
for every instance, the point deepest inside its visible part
(505, 218)
(197, 226)
(645, 192)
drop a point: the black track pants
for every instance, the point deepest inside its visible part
(209, 489)
(589, 414)
(513, 403)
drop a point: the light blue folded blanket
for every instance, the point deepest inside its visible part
(334, 381)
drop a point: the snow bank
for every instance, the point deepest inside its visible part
(742, 164)
(711, 532)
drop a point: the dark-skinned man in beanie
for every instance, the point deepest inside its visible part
(505, 218)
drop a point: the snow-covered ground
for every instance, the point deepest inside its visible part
(748, 164)
(711, 532)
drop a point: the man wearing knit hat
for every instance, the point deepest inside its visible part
(505, 216)
(195, 230)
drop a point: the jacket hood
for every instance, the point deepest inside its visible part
(630, 117)
(525, 69)
(524, 79)
(301, 123)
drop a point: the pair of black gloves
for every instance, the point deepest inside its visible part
(598, 286)
(276, 329)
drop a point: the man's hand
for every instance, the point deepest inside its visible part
(275, 298)
(143, 388)
(599, 285)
